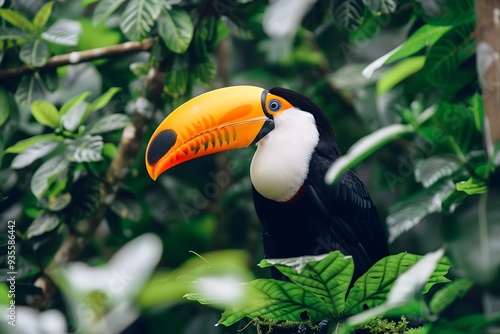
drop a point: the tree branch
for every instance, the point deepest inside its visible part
(488, 65)
(128, 148)
(80, 57)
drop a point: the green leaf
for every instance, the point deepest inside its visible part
(176, 29)
(36, 151)
(448, 294)
(326, 276)
(433, 169)
(85, 149)
(472, 186)
(63, 32)
(13, 34)
(177, 78)
(476, 103)
(451, 50)
(364, 148)
(34, 53)
(108, 123)
(103, 100)
(17, 19)
(400, 72)
(43, 223)
(59, 202)
(4, 106)
(103, 9)
(86, 196)
(347, 13)
(45, 113)
(409, 212)
(22, 145)
(381, 6)
(50, 79)
(43, 14)
(373, 287)
(425, 36)
(46, 174)
(406, 291)
(29, 89)
(205, 72)
(73, 102)
(138, 18)
(269, 298)
(72, 119)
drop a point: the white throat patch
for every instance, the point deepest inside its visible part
(281, 162)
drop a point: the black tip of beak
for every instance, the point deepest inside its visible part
(160, 145)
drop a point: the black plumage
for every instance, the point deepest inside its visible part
(320, 217)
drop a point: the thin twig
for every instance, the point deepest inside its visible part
(80, 57)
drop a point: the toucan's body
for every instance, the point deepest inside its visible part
(300, 214)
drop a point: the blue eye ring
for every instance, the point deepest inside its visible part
(274, 105)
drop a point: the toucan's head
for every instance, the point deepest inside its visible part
(236, 117)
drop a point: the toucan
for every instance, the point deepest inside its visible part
(300, 214)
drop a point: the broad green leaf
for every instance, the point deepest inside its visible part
(177, 78)
(103, 100)
(22, 145)
(63, 32)
(50, 79)
(45, 113)
(36, 151)
(108, 123)
(103, 9)
(406, 290)
(448, 294)
(205, 72)
(29, 89)
(347, 13)
(46, 174)
(381, 6)
(400, 72)
(433, 169)
(269, 298)
(409, 212)
(326, 276)
(86, 196)
(452, 49)
(43, 223)
(364, 148)
(472, 186)
(85, 149)
(139, 17)
(176, 29)
(68, 105)
(72, 119)
(17, 19)
(4, 106)
(43, 14)
(34, 53)
(12, 34)
(373, 287)
(425, 36)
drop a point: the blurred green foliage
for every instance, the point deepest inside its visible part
(71, 174)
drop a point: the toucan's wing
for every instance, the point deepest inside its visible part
(351, 213)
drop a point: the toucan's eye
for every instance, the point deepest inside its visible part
(274, 105)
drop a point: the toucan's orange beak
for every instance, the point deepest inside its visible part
(220, 120)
